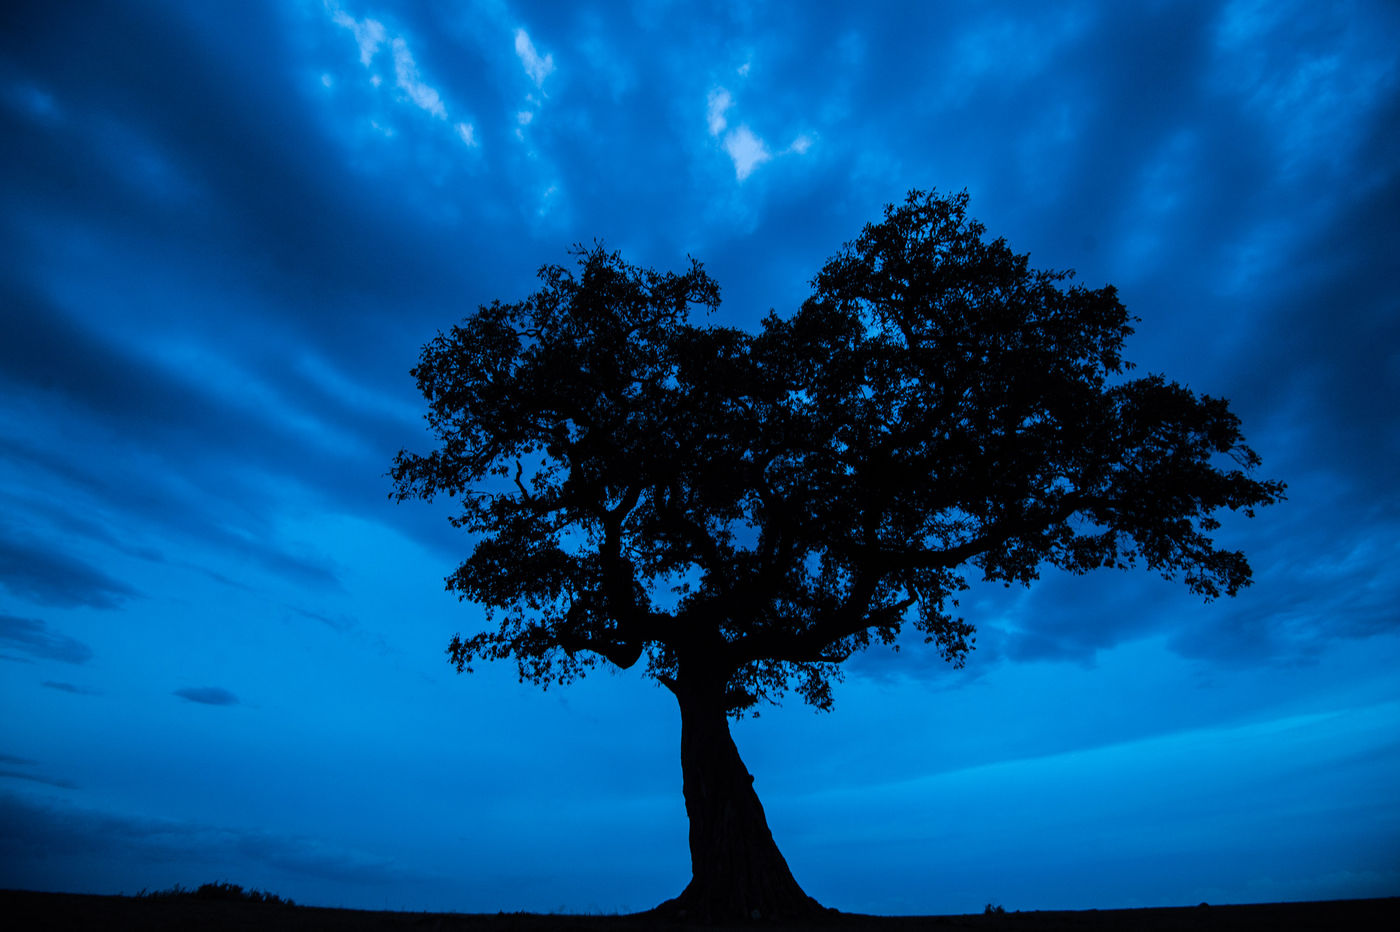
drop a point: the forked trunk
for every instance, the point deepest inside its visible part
(737, 871)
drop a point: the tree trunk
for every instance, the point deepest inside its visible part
(737, 871)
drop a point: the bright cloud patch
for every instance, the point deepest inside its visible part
(744, 147)
(467, 134)
(369, 34)
(537, 68)
(418, 92)
(714, 113)
(747, 151)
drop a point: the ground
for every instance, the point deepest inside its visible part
(53, 911)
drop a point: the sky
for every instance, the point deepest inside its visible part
(227, 229)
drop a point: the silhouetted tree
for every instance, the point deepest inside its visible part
(743, 512)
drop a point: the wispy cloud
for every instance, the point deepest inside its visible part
(341, 623)
(719, 101)
(207, 695)
(369, 33)
(800, 145)
(32, 636)
(536, 67)
(406, 72)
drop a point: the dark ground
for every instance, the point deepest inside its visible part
(22, 910)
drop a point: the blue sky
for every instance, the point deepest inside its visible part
(227, 228)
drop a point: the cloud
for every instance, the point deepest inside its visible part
(33, 571)
(33, 637)
(46, 837)
(39, 778)
(207, 695)
(34, 101)
(369, 34)
(718, 102)
(537, 68)
(407, 74)
(152, 404)
(341, 623)
(747, 151)
(70, 688)
(744, 147)
(19, 768)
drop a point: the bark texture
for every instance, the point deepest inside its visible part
(737, 871)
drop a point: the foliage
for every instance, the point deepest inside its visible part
(757, 507)
(228, 892)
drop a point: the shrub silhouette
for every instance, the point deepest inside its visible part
(224, 891)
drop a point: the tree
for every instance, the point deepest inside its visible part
(742, 512)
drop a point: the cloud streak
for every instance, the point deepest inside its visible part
(43, 834)
(70, 688)
(409, 81)
(536, 67)
(33, 637)
(207, 695)
(34, 571)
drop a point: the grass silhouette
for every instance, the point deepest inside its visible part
(225, 906)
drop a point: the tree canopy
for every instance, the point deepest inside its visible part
(643, 485)
(744, 511)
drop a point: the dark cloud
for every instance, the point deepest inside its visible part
(38, 778)
(35, 571)
(1330, 347)
(63, 521)
(43, 350)
(161, 166)
(1340, 588)
(34, 638)
(22, 768)
(207, 695)
(339, 623)
(45, 836)
(156, 503)
(316, 859)
(70, 688)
